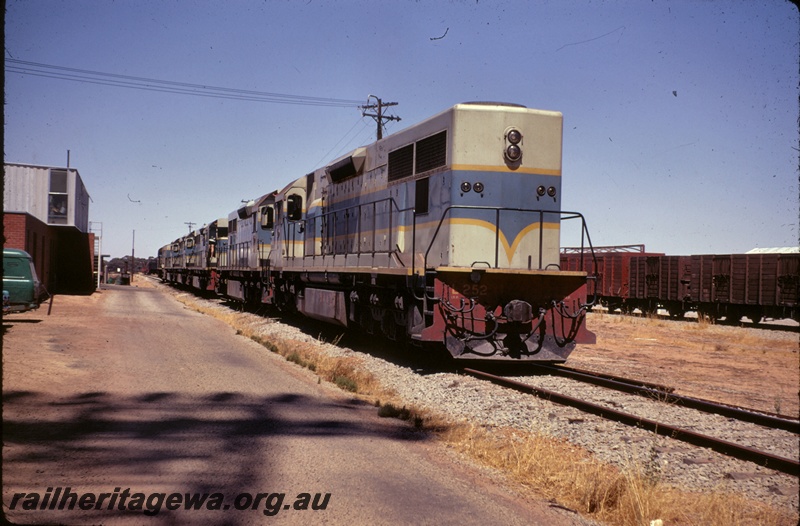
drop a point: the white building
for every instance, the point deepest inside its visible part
(46, 213)
(55, 196)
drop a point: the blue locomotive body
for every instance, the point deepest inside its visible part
(447, 233)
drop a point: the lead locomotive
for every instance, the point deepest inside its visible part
(447, 233)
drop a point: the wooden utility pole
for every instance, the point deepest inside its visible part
(378, 116)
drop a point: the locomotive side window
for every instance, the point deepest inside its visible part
(294, 207)
(401, 163)
(421, 191)
(431, 152)
(267, 217)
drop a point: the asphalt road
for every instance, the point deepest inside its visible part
(130, 394)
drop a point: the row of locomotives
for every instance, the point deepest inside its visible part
(724, 287)
(446, 233)
(243, 265)
(161, 261)
(171, 261)
(192, 259)
(151, 267)
(204, 272)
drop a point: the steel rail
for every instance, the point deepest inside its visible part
(768, 460)
(656, 392)
(601, 378)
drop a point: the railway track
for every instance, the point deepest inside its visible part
(763, 458)
(666, 395)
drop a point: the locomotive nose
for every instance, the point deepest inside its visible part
(519, 311)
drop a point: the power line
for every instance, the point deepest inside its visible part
(37, 69)
(326, 156)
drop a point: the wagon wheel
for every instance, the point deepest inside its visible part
(704, 316)
(755, 315)
(648, 309)
(676, 312)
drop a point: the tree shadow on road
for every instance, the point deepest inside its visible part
(173, 442)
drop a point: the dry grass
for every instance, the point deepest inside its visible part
(574, 479)
(699, 358)
(534, 461)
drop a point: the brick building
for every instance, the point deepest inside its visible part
(46, 213)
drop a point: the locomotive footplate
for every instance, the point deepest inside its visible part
(517, 315)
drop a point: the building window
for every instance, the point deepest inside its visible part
(58, 181)
(58, 198)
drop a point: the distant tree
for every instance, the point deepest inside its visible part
(124, 263)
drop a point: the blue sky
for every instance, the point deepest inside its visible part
(681, 117)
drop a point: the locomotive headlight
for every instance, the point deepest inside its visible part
(541, 191)
(551, 191)
(466, 187)
(513, 153)
(478, 187)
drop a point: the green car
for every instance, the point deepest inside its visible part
(22, 290)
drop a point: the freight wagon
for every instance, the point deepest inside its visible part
(722, 286)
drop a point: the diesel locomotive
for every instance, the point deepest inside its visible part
(446, 233)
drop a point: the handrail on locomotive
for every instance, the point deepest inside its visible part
(326, 216)
(563, 216)
(586, 248)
